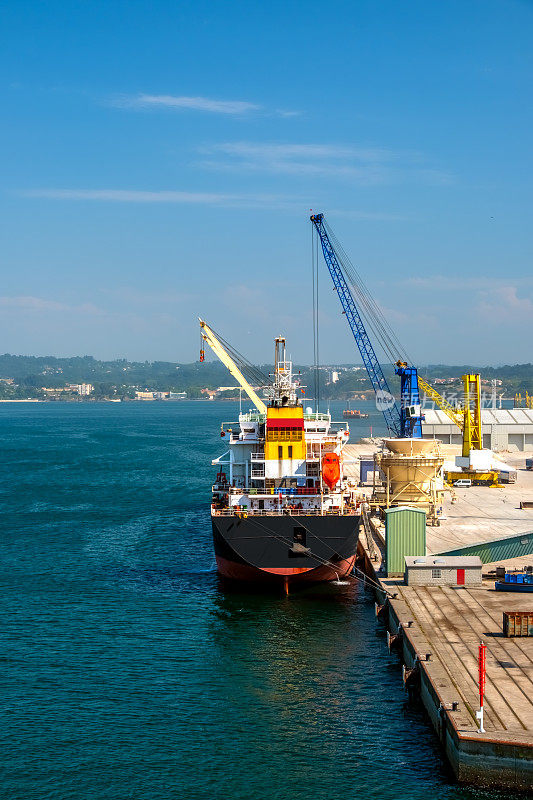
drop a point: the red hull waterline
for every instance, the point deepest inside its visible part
(292, 576)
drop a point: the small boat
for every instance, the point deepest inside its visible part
(353, 413)
(515, 582)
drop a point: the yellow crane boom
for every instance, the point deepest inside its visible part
(456, 415)
(223, 355)
(467, 418)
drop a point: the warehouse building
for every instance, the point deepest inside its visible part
(503, 429)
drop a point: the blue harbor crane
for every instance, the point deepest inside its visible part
(402, 421)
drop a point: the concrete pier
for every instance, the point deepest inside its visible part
(440, 629)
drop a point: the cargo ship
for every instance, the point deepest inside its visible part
(353, 413)
(282, 511)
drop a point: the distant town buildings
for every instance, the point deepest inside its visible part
(145, 395)
(83, 389)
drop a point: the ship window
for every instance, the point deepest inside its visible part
(284, 435)
(436, 573)
(290, 451)
(280, 451)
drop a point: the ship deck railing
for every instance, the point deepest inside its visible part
(271, 491)
(256, 416)
(286, 491)
(290, 512)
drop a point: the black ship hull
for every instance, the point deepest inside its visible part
(285, 549)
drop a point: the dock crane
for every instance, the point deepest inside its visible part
(209, 336)
(468, 416)
(404, 421)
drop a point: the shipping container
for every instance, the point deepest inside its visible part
(518, 623)
(405, 535)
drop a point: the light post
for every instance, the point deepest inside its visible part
(481, 670)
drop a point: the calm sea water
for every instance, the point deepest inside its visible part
(127, 671)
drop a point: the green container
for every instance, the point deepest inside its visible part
(405, 535)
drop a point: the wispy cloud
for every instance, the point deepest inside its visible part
(453, 283)
(188, 198)
(140, 102)
(31, 303)
(284, 113)
(377, 216)
(366, 165)
(503, 304)
(182, 102)
(294, 203)
(283, 152)
(495, 301)
(130, 195)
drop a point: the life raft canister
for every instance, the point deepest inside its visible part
(331, 471)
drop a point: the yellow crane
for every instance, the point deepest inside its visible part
(472, 438)
(468, 417)
(216, 346)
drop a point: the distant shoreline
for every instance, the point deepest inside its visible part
(129, 400)
(25, 400)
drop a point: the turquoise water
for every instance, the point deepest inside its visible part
(127, 671)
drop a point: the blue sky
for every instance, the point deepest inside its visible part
(160, 161)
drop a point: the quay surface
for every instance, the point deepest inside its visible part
(448, 623)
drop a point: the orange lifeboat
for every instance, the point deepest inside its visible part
(331, 470)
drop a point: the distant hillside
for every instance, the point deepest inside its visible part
(121, 378)
(55, 372)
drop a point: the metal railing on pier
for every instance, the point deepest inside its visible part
(370, 544)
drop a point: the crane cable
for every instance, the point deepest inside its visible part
(363, 296)
(323, 561)
(375, 314)
(249, 370)
(369, 308)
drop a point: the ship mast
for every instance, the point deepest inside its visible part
(283, 392)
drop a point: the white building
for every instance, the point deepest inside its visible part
(83, 389)
(502, 428)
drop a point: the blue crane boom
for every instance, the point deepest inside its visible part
(407, 419)
(384, 397)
